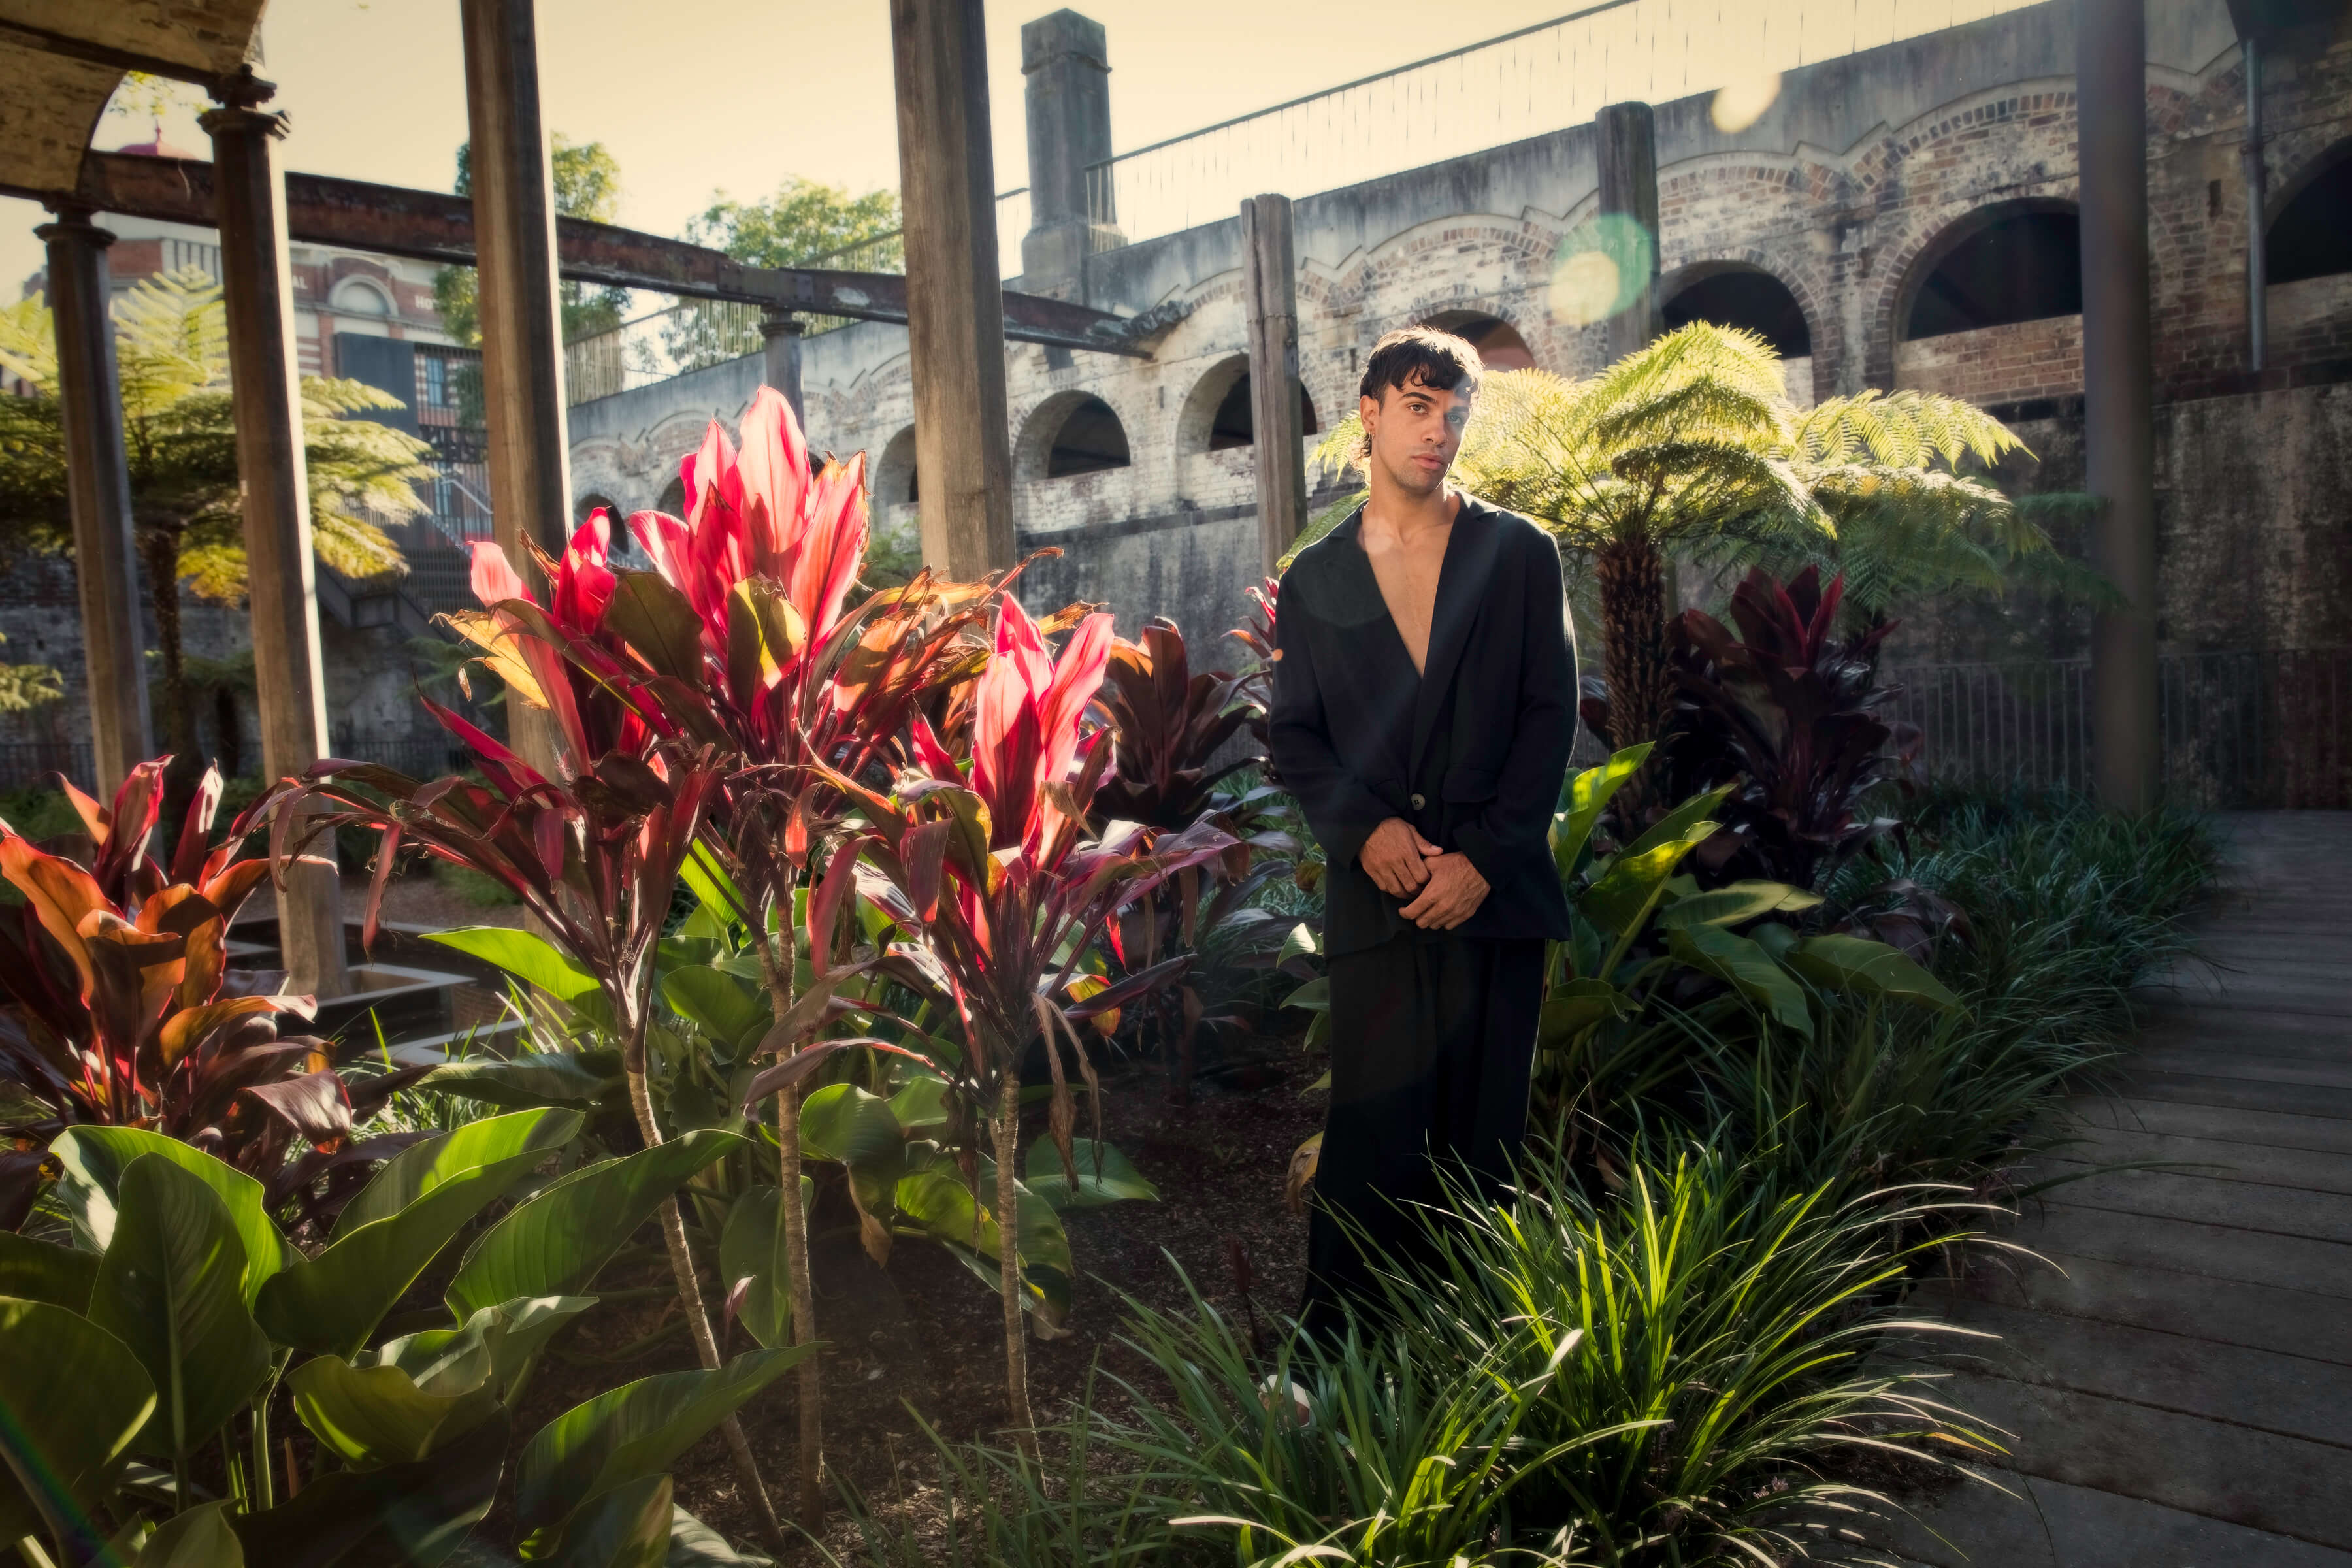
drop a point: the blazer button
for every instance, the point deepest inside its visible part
(1418, 803)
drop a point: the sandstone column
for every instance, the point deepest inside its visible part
(521, 313)
(1066, 65)
(1277, 422)
(779, 357)
(257, 290)
(98, 490)
(955, 303)
(1628, 152)
(2111, 97)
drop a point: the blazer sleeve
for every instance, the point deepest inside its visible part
(1515, 827)
(1338, 806)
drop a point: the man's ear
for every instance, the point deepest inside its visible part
(1368, 410)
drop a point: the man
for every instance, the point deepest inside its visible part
(1425, 704)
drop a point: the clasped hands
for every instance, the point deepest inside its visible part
(1402, 864)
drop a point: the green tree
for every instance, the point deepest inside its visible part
(172, 345)
(587, 180)
(803, 221)
(1691, 449)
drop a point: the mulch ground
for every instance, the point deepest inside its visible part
(924, 1337)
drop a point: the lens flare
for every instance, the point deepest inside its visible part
(1600, 270)
(1740, 104)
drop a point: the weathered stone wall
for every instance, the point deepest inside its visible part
(1848, 190)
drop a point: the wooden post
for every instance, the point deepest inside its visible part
(281, 580)
(780, 358)
(1277, 417)
(1628, 151)
(2111, 106)
(955, 303)
(98, 492)
(520, 305)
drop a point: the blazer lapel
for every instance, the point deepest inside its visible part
(1461, 588)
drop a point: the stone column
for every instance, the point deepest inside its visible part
(98, 492)
(521, 310)
(1067, 90)
(2111, 99)
(1278, 424)
(955, 304)
(281, 582)
(1628, 153)
(780, 358)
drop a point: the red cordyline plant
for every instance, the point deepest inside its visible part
(995, 875)
(120, 1009)
(750, 621)
(592, 855)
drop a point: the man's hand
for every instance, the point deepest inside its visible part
(1455, 892)
(1394, 855)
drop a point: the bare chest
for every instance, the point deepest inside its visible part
(1407, 574)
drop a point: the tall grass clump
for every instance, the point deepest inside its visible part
(1672, 1374)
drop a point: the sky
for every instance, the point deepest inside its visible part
(693, 96)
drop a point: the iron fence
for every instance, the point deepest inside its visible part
(2237, 730)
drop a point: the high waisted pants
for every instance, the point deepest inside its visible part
(1432, 1042)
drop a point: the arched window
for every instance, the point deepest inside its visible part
(1499, 342)
(892, 477)
(1746, 297)
(1089, 440)
(361, 297)
(582, 509)
(1234, 424)
(2022, 265)
(673, 498)
(2312, 236)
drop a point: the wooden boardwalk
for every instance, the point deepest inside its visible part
(2181, 1396)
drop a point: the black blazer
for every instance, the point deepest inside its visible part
(1472, 754)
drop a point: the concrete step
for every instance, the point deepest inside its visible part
(2263, 1481)
(2166, 1300)
(2044, 1523)
(2212, 1251)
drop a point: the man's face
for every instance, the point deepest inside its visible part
(1415, 431)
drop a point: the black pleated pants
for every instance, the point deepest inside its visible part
(1431, 1043)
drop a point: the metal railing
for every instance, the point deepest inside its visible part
(2252, 728)
(691, 335)
(1529, 83)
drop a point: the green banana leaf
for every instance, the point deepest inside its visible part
(200, 1538)
(539, 1078)
(529, 957)
(38, 1271)
(1747, 969)
(843, 1123)
(1620, 898)
(1735, 903)
(627, 1527)
(751, 1247)
(95, 1159)
(554, 1244)
(1587, 794)
(397, 1516)
(499, 1342)
(398, 1225)
(630, 1432)
(55, 1359)
(170, 1287)
(376, 1415)
(1105, 1176)
(733, 1011)
(1839, 962)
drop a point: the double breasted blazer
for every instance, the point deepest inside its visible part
(1472, 751)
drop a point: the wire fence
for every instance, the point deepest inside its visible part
(1526, 83)
(2268, 729)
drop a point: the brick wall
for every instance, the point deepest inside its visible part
(2013, 364)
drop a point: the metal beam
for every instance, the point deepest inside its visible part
(428, 226)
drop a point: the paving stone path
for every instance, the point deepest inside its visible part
(2181, 1396)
